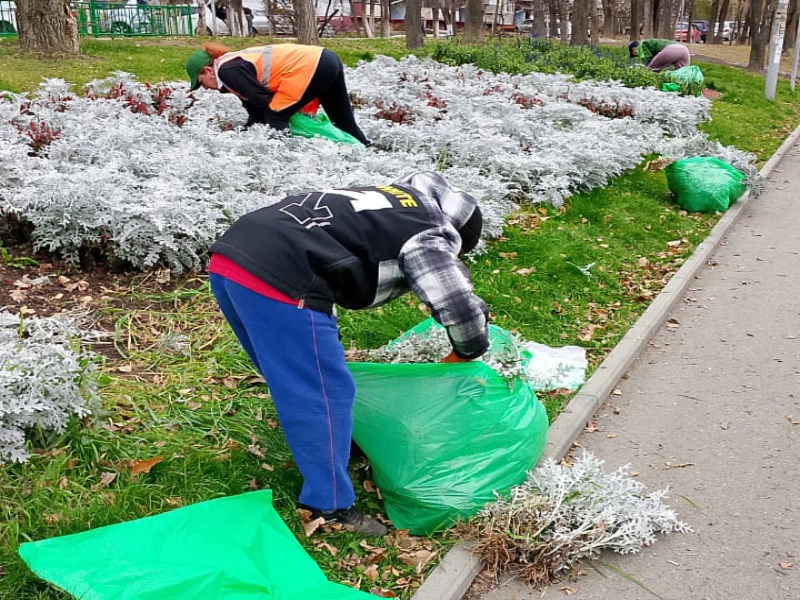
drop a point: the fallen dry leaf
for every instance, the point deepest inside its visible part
(568, 590)
(309, 525)
(333, 550)
(671, 465)
(371, 572)
(51, 518)
(786, 565)
(255, 450)
(144, 466)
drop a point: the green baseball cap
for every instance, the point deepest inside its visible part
(194, 65)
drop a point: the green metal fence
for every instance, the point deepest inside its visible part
(8, 18)
(116, 19)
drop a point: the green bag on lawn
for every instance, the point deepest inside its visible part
(234, 548)
(690, 79)
(302, 125)
(442, 438)
(705, 184)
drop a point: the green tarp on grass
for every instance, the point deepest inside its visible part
(234, 548)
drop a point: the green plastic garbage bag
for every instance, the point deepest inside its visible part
(705, 184)
(670, 87)
(302, 125)
(234, 548)
(441, 438)
(690, 79)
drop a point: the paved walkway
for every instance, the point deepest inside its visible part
(712, 410)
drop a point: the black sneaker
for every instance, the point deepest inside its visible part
(353, 517)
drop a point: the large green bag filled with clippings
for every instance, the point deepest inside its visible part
(234, 548)
(705, 184)
(442, 438)
(303, 125)
(689, 79)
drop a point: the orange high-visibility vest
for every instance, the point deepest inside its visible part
(284, 69)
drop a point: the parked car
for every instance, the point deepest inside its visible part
(125, 18)
(261, 24)
(730, 30)
(212, 20)
(681, 33)
(8, 17)
(702, 27)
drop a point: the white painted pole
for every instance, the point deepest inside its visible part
(796, 53)
(775, 49)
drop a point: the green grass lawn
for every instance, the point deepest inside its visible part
(578, 275)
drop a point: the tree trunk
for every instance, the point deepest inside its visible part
(237, 24)
(635, 10)
(46, 27)
(306, 20)
(689, 8)
(666, 22)
(202, 26)
(723, 16)
(563, 20)
(760, 17)
(552, 7)
(594, 23)
(647, 12)
(473, 25)
(372, 17)
(386, 15)
(713, 19)
(580, 22)
(538, 27)
(435, 10)
(414, 24)
(790, 38)
(610, 18)
(366, 19)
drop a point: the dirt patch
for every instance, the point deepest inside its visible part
(37, 286)
(711, 94)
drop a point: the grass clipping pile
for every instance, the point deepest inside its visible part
(561, 515)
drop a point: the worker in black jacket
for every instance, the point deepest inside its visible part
(278, 272)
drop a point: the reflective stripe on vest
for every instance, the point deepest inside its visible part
(284, 69)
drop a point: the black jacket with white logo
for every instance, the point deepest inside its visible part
(362, 247)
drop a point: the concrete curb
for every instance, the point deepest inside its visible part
(454, 575)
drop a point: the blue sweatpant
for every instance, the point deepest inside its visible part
(299, 355)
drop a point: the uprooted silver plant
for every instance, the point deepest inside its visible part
(561, 515)
(432, 345)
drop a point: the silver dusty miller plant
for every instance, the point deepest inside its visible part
(561, 515)
(154, 174)
(432, 345)
(44, 379)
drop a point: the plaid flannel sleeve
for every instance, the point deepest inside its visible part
(429, 262)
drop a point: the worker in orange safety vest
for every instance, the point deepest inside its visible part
(274, 82)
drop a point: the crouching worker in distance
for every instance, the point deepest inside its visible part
(278, 272)
(659, 54)
(274, 82)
